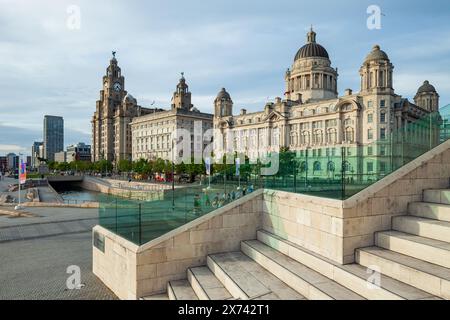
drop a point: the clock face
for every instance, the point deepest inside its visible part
(117, 86)
(106, 85)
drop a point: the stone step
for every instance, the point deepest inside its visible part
(180, 290)
(309, 283)
(426, 276)
(428, 228)
(354, 276)
(441, 196)
(205, 284)
(426, 249)
(161, 296)
(247, 280)
(428, 210)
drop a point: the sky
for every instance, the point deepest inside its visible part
(53, 53)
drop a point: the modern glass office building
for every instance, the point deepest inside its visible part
(53, 136)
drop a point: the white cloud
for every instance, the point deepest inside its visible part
(244, 46)
(7, 148)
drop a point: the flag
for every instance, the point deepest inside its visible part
(238, 167)
(208, 166)
(22, 172)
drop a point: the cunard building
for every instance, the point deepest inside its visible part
(314, 121)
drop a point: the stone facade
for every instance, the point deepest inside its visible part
(154, 135)
(313, 119)
(111, 130)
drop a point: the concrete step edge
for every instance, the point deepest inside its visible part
(316, 294)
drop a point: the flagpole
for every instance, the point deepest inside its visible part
(18, 207)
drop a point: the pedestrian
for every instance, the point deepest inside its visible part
(207, 200)
(197, 204)
(215, 202)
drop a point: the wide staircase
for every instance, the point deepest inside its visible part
(413, 261)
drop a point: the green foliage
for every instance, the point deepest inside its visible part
(103, 166)
(124, 166)
(62, 166)
(80, 166)
(52, 165)
(141, 167)
(287, 162)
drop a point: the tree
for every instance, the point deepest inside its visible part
(124, 166)
(80, 166)
(103, 166)
(52, 165)
(139, 166)
(62, 166)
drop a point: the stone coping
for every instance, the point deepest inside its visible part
(396, 175)
(303, 197)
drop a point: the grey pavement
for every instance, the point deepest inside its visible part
(44, 215)
(37, 269)
(35, 253)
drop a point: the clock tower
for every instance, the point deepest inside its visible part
(113, 81)
(115, 109)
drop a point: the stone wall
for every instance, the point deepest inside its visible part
(132, 272)
(104, 187)
(311, 222)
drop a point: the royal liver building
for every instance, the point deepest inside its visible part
(313, 118)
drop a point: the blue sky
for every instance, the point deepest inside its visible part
(245, 46)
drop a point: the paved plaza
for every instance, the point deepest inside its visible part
(36, 252)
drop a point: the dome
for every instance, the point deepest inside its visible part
(129, 98)
(426, 87)
(223, 94)
(376, 54)
(312, 49)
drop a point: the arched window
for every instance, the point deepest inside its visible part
(317, 167)
(347, 107)
(331, 167)
(332, 136)
(305, 138)
(349, 134)
(303, 166)
(318, 137)
(347, 167)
